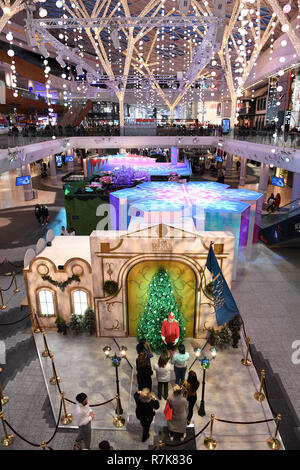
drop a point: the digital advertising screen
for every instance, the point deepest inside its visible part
(22, 180)
(276, 181)
(69, 158)
(225, 126)
(58, 159)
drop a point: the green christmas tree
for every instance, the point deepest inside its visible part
(160, 302)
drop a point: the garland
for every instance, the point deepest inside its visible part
(61, 285)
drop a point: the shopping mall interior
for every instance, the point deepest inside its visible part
(163, 136)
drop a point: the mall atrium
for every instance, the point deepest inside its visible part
(163, 137)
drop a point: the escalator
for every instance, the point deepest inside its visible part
(282, 228)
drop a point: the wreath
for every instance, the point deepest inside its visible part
(110, 287)
(61, 285)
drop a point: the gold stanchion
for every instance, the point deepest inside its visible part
(67, 417)
(4, 399)
(36, 329)
(7, 439)
(273, 442)
(54, 380)
(43, 445)
(15, 281)
(259, 396)
(46, 352)
(118, 421)
(246, 361)
(2, 306)
(209, 442)
(7, 273)
(160, 444)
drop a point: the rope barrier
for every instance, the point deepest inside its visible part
(4, 290)
(15, 265)
(258, 372)
(15, 322)
(189, 440)
(244, 422)
(92, 406)
(31, 443)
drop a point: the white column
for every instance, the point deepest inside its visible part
(70, 164)
(263, 180)
(53, 176)
(229, 160)
(243, 171)
(295, 191)
(28, 192)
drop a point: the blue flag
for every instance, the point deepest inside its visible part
(225, 306)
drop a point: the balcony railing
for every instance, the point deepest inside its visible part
(13, 139)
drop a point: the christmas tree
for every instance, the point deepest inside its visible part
(160, 302)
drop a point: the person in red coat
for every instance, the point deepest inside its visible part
(170, 332)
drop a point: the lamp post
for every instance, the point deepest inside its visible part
(116, 361)
(205, 363)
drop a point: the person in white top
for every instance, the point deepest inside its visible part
(163, 370)
(83, 417)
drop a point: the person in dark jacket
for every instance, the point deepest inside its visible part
(146, 403)
(144, 371)
(143, 345)
(38, 213)
(45, 215)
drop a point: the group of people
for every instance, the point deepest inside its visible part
(273, 203)
(181, 400)
(41, 213)
(69, 232)
(184, 394)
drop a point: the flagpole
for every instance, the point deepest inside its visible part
(201, 280)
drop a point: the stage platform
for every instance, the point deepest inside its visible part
(81, 364)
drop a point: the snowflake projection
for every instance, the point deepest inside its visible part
(209, 206)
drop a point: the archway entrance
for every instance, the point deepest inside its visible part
(139, 279)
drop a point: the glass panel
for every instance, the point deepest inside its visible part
(46, 302)
(80, 302)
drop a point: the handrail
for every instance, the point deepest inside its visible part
(289, 203)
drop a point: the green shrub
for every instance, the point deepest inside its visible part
(61, 325)
(76, 324)
(89, 321)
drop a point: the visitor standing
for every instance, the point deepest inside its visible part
(163, 375)
(179, 405)
(105, 445)
(83, 417)
(270, 202)
(143, 345)
(144, 371)
(38, 213)
(180, 360)
(63, 231)
(146, 403)
(277, 201)
(191, 385)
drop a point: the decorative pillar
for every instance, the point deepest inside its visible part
(70, 164)
(28, 192)
(53, 176)
(229, 160)
(243, 171)
(263, 180)
(295, 191)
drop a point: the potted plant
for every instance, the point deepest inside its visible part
(212, 336)
(88, 321)
(224, 337)
(75, 324)
(61, 325)
(234, 326)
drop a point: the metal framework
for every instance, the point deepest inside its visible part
(127, 22)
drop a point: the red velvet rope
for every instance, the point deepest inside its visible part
(92, 406)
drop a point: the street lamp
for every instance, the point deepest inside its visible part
(116, 361)
(205, 363)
